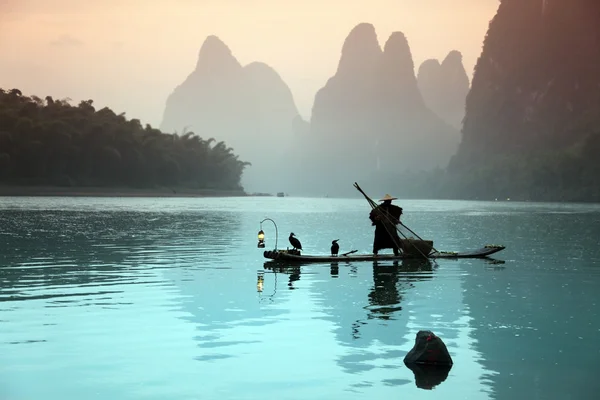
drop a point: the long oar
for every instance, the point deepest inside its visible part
(374, 206)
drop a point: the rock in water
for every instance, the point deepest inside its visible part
(429, 360)
(428, 349)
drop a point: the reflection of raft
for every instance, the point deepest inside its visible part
(293, 255)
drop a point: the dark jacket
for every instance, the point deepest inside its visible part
(385, 217)
(386, 212)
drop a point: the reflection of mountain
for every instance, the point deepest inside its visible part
(536, 322)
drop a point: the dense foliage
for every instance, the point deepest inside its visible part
(533, 112)
(570, 174)
(50, 142)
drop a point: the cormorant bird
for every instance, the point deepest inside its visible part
(295, 242)
(335, 247)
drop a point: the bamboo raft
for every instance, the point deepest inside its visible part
(295, 256)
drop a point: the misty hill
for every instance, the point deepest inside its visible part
(49, 142)
(532, 124)
(249, 107)
(370, 119)
(444, 87)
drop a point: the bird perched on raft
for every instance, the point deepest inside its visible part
(295, 242)
(335, 247)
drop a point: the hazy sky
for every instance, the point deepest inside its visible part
(130, 54)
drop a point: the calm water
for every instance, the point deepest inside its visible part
(110, 298)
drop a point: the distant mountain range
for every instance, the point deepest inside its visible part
(445, 87)
(528, 126)
(249, 107)
(371, 116)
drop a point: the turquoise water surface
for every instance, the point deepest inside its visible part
(154, 298)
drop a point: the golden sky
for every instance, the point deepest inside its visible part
(130, 54)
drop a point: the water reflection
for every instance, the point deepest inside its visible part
(84, 294)
(389, 280)
(57, 249)
(533, 320)
(384, 297)
(334, 270)
(367, 316)
(103, 297)
(429, 376)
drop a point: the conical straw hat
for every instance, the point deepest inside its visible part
(388, 197)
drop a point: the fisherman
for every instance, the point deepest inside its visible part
(385, 217)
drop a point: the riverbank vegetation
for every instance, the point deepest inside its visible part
(48, 142)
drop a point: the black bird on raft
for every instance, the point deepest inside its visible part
(295, 242)
(335, 247)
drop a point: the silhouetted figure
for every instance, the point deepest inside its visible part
(295, 242)
(335, 247)
(385, 217)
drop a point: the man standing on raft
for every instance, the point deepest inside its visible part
(385, 217)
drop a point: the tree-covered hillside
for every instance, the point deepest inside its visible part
(532, 123)
(49, 142)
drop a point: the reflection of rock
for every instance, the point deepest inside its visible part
(428, 349)
(429, 376)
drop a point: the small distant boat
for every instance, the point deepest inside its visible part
(280, 194)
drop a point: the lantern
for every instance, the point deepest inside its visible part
(261, 234)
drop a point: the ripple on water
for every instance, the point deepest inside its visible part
(109, 292)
